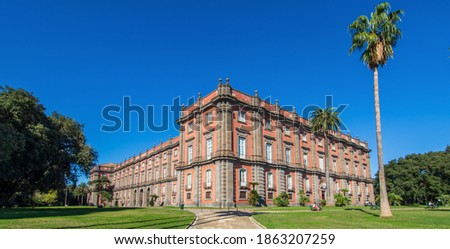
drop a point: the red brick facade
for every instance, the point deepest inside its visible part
(229, 139)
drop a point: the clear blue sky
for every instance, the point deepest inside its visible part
(80, 56)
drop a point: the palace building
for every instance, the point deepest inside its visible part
(230, 142)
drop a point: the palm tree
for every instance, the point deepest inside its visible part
(322, 122)
(377, 37)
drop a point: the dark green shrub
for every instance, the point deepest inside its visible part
(282, 200)
(322, 203)
(302, 198)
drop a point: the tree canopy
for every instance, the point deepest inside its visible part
(419, 178)
(38, 152)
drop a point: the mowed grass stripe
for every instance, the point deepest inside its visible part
(91, 217)
(356, 218)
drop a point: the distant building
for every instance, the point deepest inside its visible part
(229, 139)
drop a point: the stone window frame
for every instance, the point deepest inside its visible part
(190, 127)
(242, 116)
(188, 181)
(268, 124)
(207, 136)
(305, 154)
(288, 146)
(244, 137)
(321, 156)
(208, 185)
(291, 189)
(270, 142)
(209, 117)
(243, 184)
(270, 188)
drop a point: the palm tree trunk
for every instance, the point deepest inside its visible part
(327, 171)
(384, 203)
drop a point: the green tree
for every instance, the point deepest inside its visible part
(419, 178)
(37, 152)
(322, 122)
(377, 36)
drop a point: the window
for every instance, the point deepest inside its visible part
(267, 124)
(346, 167)
(188, 196)
(149, 175)
(208, 148)
(164, 190)
(334, 165)
(269, 152)
(288, 155)
(270, 180)
(304, 138)
(270, 196)
(136, 179)
(307, 185)
(241, 116)
(321, 162)
(175, 152)
(243, 195)
(164, 172)
(142, 177)
(319, 141)
(337, 187)
(157, 158)
(333, 146)
(289, 182)
(241, 149)
(305, 158)
(208, 178)
(243, 178)
(189, 181)
(174, 189)
(190, 127)
(189, 154)
(165, 156)
(208, 195)
(156, 173)
(356, 169)
(364, 172)
(287, 131)
(143, 165)
(209, 117)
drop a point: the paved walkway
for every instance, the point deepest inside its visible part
(222, 219)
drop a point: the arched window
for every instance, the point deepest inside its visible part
(289, 182)
(270, 180)
(189, 181)
(243, 178)
(208, 178)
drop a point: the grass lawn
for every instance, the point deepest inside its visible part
(92, 217)
(354, 217)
